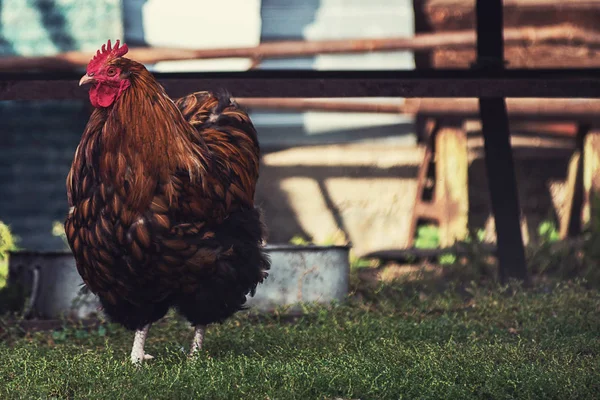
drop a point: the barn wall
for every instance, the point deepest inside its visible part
(321, 171)
(450, 15)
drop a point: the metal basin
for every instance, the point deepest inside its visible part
(53, 284)
(303, 274)
(298, 274)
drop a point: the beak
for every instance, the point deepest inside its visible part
(85, 79)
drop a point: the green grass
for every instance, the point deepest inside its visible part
(390, 342)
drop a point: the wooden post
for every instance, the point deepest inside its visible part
(423, 208)
(448, 204)
(571, 188)
(591, 178)
(498, 153)
(451, 187)
(571, 220)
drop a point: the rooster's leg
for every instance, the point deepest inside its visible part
(198, 339)
(137, 352)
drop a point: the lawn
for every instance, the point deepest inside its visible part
(389, 341)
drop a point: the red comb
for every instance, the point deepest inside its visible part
(108, 52)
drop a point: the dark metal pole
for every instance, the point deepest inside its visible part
(498, 152)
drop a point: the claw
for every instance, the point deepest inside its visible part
(138, 360)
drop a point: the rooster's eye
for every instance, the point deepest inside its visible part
(111, 71)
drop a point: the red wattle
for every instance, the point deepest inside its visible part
(102, 95)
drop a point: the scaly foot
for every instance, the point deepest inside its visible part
(137, 352)
(198, 340)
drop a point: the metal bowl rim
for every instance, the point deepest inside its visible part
(298, 248)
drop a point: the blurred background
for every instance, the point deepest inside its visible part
(328, 176)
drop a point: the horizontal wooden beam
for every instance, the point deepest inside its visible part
(519, 109)
(559, 34)
(575, 109)
(538, 4)
(428, 210)
(319, 84)
(330, 105)
(552, 129)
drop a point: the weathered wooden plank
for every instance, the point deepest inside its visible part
(452, 183)
(536, 4)
(518, 109)
(572, 224)
(582, 110)
(567, 212)
(289, 49)
(423, 209)
(319, 84)
(591, 178)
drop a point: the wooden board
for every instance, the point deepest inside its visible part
(451, 15)
(451, 187)
(591, 177)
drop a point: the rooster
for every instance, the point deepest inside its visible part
(161, 197)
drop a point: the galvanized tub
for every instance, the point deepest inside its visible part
(52, 283)
(303, 274)
(298, 274)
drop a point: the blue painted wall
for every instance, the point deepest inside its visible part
(38, 139)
